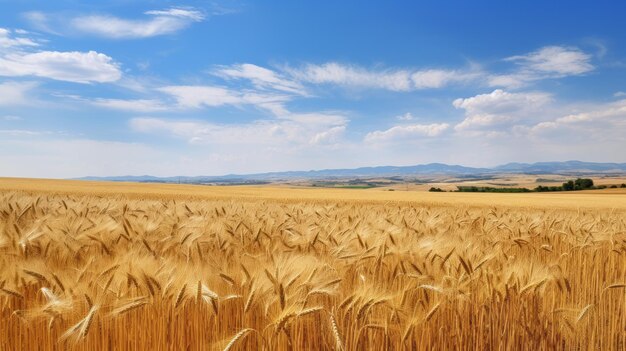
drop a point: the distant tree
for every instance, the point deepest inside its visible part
(469, 189)
(486, 189)
(623, 185)
(583, 183)
(542, 188)
(613, 186)
(569, 185)
(435, 190)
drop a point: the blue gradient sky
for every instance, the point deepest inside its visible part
(204, 87)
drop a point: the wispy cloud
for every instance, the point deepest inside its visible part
(260, 77)
(388, 79)
(161, 22)
(139, 105)
(192, 14)
(197, 96)
(271, 89)
(9, 39)
(265, 89)
(557, 60)
(545, 63)
(154, 23)
(437, 78)
(39, 21)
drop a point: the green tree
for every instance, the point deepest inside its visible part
(583, 183)
(569, 185)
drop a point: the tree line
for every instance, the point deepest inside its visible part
(570, 185)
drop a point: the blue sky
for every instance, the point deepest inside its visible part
(208, 87)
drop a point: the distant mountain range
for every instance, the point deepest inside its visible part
(556, 167)
(568, 167)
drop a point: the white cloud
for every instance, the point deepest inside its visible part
(534, 126)
(436, 78)
(596, 132)
(20, 56)
(316, 118)
(196, 96)
(398, 133)
(11, 117)
(161, 22)
(347, 75)
(328, 136)
(544, 63)
(619, 94)
(74, 66)
(139, 105)
(7, 40)
(511, 81)
(15, 93)
(608, 117)
(559, 60)
(192, 14)
(501, 101)
(261, 78)
(547, 62)
(499, 108)
(406, 117)
(389, 79)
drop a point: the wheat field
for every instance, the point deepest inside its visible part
(85, 269)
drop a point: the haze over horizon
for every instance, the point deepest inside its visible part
(233, 87)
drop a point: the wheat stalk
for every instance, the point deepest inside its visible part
(239, 336)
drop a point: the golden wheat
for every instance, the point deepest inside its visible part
(97, 272)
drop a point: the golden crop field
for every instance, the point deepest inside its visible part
(103, 266)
